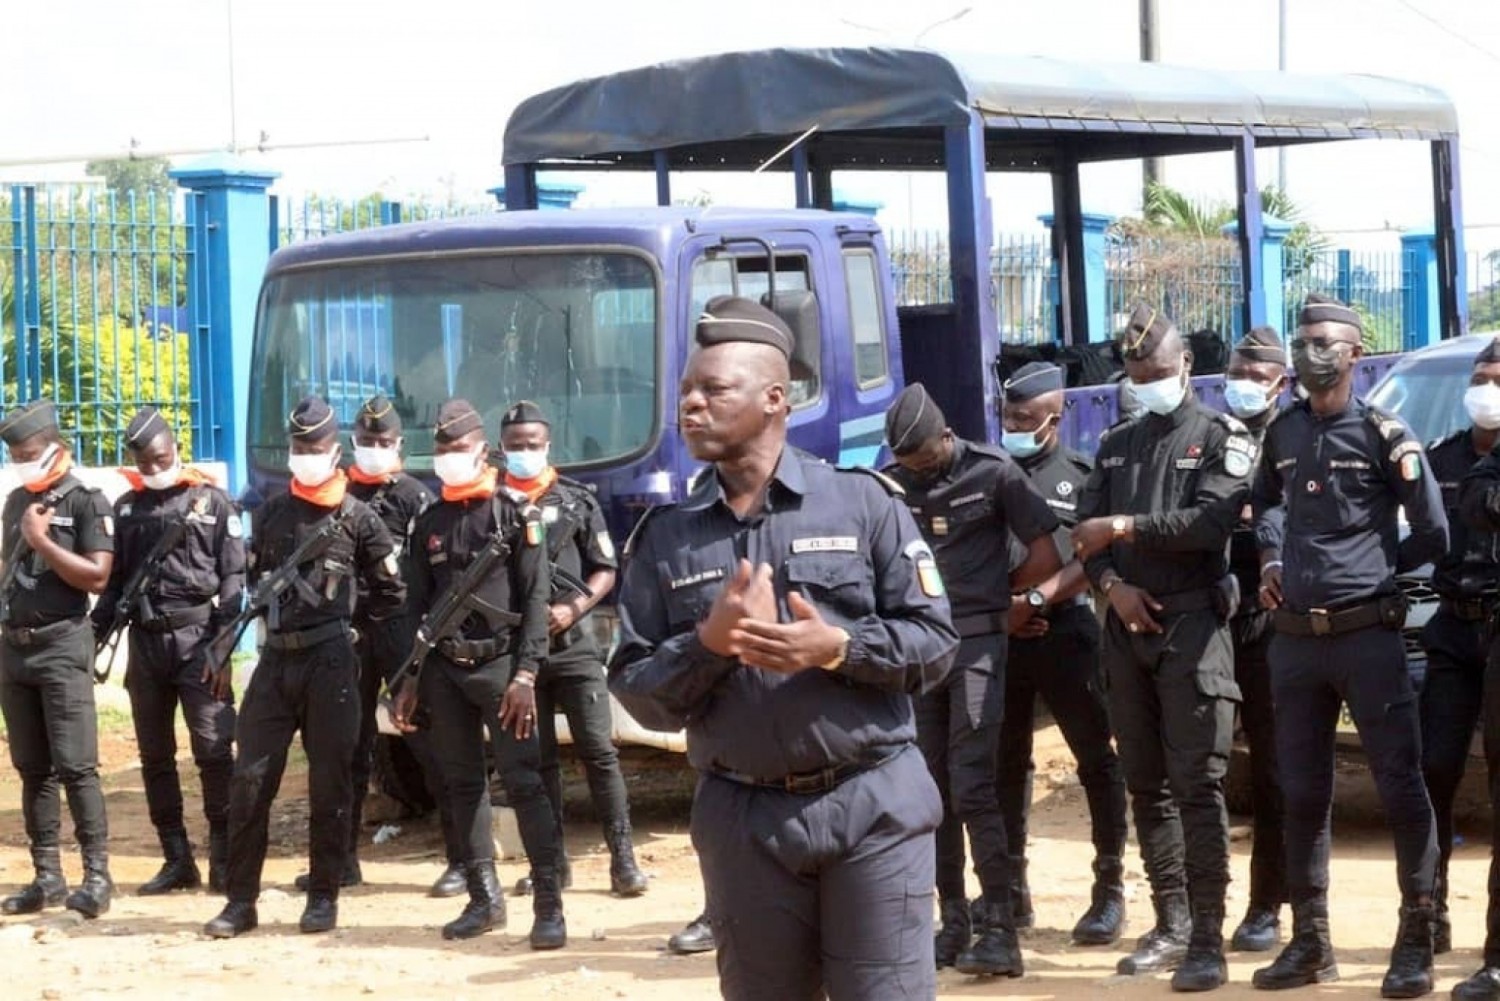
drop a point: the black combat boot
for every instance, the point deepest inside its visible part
(1482, 986)
(1022, 913)
(1410, 973)
(235, 919)
(351, 876)
(1203, 968)
(486, 906)
(1308, 958)
(953, 933)
(1260, 931)
(178, 872)
(48, 889)
(321, 914)
(548, 929)
(625, 877)
(1101, 923)
(995, 952)
(453, 881)
(1442, 925)
(218, 857)
(696, 936)
(1165, 946)
(92, 897)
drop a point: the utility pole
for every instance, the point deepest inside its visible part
(1281, 65)
(1150, 53)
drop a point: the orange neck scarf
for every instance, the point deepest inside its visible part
(186, 477)
(477, 489)
(41, 486)
(358, 475)
(329, 493)
(535, 487)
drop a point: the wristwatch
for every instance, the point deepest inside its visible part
(1108, 583)
(838, 658)
(1035, 599)
(1118, 526)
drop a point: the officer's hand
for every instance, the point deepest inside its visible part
(748, 594)
(404, 706)
(1134, 607)
(518, 710)
(1270, 587)
(786, 648)
(1026, 623)
(34, 524)
(221, 684)
(560, 618)
(1090, 536)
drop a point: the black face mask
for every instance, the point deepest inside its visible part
(1318, 368)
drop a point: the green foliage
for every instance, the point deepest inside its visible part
(127, 176)
(1484, 298)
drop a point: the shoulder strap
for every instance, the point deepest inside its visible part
(889, 485)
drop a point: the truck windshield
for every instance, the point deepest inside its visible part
(576, 332)
(1428, 396)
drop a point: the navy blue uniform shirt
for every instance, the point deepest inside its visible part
(1471, 566)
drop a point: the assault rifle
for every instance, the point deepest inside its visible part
(18, 552)
(134, 597)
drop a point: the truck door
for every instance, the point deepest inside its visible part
(866, 344)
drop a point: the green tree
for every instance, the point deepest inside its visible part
(127, 176)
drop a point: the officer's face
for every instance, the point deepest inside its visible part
(157, 456)
(1486, 373)
(31, 449)
(1263, 373)
(731, 395)
(376, 439)
(1157, 367)
(929, 460)
(525, 437)
(471, 442)
(324, 447)
(1038, 414)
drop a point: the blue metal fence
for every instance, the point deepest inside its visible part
(294, 219)
(1374, 283)
(1196, 282)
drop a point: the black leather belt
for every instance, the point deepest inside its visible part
(1182, 602)
(1321, 622)
(812, 783)
(306, 638)
(983, 624)
(168, 620)
(29, 636)
(468, 653)
(1467, 609)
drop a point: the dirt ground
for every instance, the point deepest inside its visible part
(388, 942)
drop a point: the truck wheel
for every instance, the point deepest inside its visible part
(398, 775)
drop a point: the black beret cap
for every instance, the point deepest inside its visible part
(456, 418)
(1032, 380)
(913, 419)
(1144, 333)
(144, 427)
(729, 318)
(1261, 344)
(28, 421)
(312, 420)
(378, 416)
(1490, 354)
(1323, 309)
(524, 412)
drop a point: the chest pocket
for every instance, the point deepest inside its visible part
(840, 582)
(690, 594)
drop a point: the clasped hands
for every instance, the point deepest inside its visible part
(742, 623)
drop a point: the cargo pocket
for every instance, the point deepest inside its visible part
(1217, 683)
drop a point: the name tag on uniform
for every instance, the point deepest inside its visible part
(1188, 463)
(966, 499)
(701, 577)
(826, 544)
(62, 520)
(203, 519)
(940, 526)
(1061, 505)
(1348, 464)
(1113, 462)
(1284, 463)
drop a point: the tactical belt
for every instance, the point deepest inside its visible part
(1182, 602)
(982, 624)
(1321, 622)
(820, 781)
(469, 653)
(305, 639)
(1467, 609)
(29, 636)
(171, 619)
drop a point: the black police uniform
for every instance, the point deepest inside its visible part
(307, 679)
(1183, 476)
(1456, 639)
(196, 592)
(1062, 667)
(967, 515)
(47, 688)
(814, 814)
(1341, 479)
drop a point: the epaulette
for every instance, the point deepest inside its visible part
(1386, 424)
(577, 484)
(1233, 423)
(891, 486)
(1078, 459)
(640, 525)
(992, 451)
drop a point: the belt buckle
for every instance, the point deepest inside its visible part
(1320, 621)
(810, 782)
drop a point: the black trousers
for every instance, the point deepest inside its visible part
(1492, 763)
(1252, 639)
(958, 730)
(47, 697)
(828, 892)
(1171, 698)
(1366, 669)
(165, 671)
(464, 704)
(313, 691)
(1451, 701)
(1063, 668)
(576, 686)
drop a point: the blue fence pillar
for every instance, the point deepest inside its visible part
(231, 235)
(864, 206)
(1420, 323)
(548, 196)
(1272, 254)
(1095, 273)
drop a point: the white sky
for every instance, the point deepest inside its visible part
(88, 76)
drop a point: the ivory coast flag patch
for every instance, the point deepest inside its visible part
(533, 533)
(929, 579)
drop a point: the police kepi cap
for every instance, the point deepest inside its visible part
(378, 416)
(1032, 380)
(728, 318)
(1147, 328)
(144, 427)
(456, 418)
(524, 412)
(1261, 344)
(28, 421)
(913, 419)
(312, 420)
(1318, 308)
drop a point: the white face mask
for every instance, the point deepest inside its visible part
(1246, 397)
(37, 470)
(373, 460)
(1162, 396)
(1483, 404)
(457, 468)
(164, 480)
(313, 468)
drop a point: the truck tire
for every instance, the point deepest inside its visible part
(397, 774)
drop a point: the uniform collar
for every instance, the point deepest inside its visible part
(1040, 459)
(790, 474)
(1185, 409)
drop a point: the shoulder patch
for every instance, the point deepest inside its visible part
(1404, 449)
(234, 526)
(640, 525)
(891, 486)
(1233, 423)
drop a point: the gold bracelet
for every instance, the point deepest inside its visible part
(525, 679)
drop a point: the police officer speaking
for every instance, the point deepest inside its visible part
(59, 547)
(310, 546)
(1341, 469)
(178, 575)
(1155, 520)
(784, 612)
(1054, 652)
(969, 500)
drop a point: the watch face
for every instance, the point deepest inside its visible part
(1035, 599)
